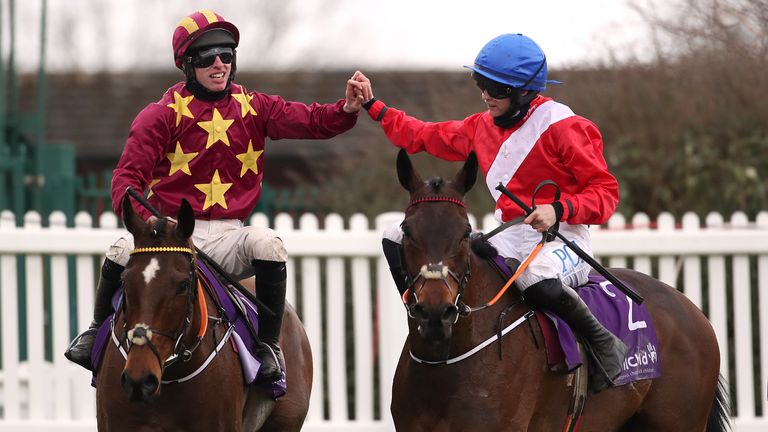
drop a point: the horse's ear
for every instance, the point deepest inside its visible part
(132, 221)
(186, 220)
(467, 175)
(408, 177)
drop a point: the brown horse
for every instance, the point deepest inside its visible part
(165, 316)
(519, 392)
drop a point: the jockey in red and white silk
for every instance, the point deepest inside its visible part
(522, 140)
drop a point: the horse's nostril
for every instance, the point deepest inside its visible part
(149, 386)
(451, 312)
(417, 311)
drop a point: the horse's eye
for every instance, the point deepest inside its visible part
(467, 233)
(406, 231)
(183, 287)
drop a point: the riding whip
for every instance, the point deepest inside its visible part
(637, 298)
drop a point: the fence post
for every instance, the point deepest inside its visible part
(640, 223)
(762, 289)
(83, 394)
(38, 377)
(9, 314)
(391, 319)
(335, 306)
(692, 263)
(617, 222)
(59, 282)
(742, 317)
(718, 306)
(311, 297)
(362, 313)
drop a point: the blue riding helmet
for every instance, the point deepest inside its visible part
(514, 60)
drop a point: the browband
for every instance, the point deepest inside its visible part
(163, 249)
(456, 201)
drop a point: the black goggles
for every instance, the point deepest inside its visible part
(206, 57)
(495, 90)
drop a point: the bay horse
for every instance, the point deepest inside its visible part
(165, 315)
(519, 391)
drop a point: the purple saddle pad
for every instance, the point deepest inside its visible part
(621, 316)
(241, 336)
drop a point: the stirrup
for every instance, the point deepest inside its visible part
(602, 379)
(271, 363)
(79, 351)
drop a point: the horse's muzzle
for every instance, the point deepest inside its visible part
(435, 323)
(141, 390)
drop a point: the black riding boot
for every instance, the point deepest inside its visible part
(270, 289)
(79, 350)
(393, 252)
(608, 350)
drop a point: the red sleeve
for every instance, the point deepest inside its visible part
(145, 147)
(449, 140)
(597, 191)
(295, 120)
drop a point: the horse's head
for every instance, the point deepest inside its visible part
(160, 294)
(436, 246)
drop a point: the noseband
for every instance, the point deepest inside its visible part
(437, 271)
(142, 333)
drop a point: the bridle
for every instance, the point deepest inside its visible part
(437, 271)
(142, 333)
(431, 271)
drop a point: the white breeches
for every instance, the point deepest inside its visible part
(229, 243)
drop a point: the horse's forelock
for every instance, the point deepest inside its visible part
(436, 183)
(159, 227)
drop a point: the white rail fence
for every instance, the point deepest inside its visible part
(340, 283)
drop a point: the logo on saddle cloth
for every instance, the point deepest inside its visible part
(242, 338)
(621, 316)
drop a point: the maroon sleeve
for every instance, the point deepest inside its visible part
(145, 147)
(295, 120)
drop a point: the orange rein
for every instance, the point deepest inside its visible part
(203, 310)
(520, 269)
(506, 286)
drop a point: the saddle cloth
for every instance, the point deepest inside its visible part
(242, 339)
(619, 314)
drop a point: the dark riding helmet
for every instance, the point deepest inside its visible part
(199, 30)
(195, 31)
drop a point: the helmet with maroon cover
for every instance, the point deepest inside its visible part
(200, 29)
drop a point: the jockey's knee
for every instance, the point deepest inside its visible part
(264, 244)
(120, 251)
(394, 234)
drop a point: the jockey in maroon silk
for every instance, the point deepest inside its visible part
(204, 141)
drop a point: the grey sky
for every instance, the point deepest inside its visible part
(98, 35)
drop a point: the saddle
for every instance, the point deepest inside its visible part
(619, 314)
(240, 316)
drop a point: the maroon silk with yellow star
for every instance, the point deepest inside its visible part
(211, 153)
